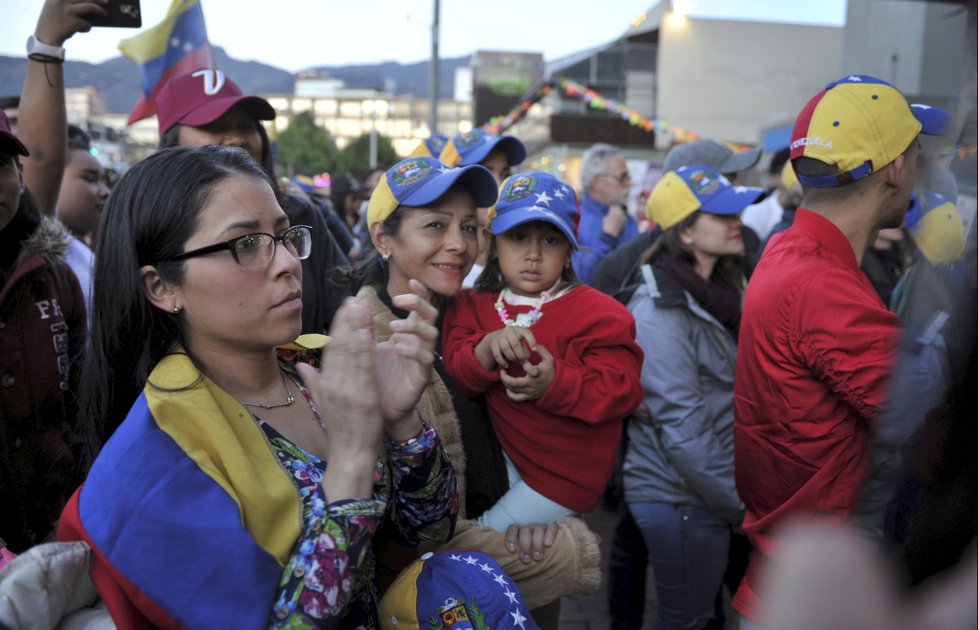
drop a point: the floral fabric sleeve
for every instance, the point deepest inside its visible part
(329, 577)
(425, 496)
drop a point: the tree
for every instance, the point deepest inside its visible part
(305, 148)
(355, 158)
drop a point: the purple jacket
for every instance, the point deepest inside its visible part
(40, 346)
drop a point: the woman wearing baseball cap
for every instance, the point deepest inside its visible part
(207, 107)
(678, 470)
(423, 222)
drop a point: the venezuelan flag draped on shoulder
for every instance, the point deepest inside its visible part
(175, 46)
(176, 488)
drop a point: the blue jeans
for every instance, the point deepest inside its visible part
(688, 550)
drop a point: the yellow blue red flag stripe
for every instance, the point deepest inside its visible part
(175, 46)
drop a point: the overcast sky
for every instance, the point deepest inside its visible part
(297, 34)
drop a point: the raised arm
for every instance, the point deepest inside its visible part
(42, 124)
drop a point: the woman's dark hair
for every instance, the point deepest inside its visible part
(152, 212)
(492, 279)
(371, 271)
(670, 241)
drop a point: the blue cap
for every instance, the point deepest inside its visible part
(687, 189)
(420, 181)
(474, 146)
(436, 144)
(534, 196)
(454, 589)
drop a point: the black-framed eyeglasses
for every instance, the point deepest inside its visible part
(622, 178)
(256, 250)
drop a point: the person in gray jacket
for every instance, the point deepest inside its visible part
(679, 466)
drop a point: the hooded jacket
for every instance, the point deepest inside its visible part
(42, 332)
(681, 449)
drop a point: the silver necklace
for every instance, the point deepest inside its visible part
(288, 401)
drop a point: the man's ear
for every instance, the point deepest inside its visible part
(159, 292)
(894, 172)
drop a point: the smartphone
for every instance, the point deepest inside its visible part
(120, 13)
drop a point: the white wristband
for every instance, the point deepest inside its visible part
(37, 47)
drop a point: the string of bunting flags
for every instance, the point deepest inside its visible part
(498, 124)
(594, 100)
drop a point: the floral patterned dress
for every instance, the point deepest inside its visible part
(329, 580)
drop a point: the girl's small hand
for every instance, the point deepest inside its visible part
(499, 348)
(537, 380)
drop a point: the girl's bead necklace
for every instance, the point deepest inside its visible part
(536, 311)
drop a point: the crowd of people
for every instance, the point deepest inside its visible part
(236, 400)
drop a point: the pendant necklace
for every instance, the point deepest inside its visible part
(288, 400)
(536, 312)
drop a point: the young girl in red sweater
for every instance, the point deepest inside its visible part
(557, 359)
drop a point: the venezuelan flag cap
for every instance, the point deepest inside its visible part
(454, 590)
(534, 196)
(936, 227)
(421, 181)
(201, 97)
(474, 146)
(687, 189)
(859, 124)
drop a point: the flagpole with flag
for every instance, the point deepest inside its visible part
(175, 46)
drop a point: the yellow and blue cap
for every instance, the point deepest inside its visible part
(534, 196)
(859, 124)
(454, 590)
(431, 146)
(471, 147)
(687, 189)
(420, 181)
(936, 227)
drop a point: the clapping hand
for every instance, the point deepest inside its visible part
(403, 362)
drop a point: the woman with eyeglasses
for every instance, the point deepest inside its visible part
(206, 107)
(239, 490)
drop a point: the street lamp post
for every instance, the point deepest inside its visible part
(434, 74)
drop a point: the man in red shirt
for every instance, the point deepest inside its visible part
(816, 343)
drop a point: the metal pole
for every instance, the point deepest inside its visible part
(373, 140)
(434, 74)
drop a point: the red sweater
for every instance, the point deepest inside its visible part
(564, 443)
(816, 348)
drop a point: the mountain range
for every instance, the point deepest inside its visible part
(118, 80)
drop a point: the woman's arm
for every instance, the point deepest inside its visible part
(43, 124)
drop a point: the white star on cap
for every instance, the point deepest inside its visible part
(485, 567)
(854, 78)
(510, 594)
(559, 194)
(455, 557)
(445, 169)
(471, 560)
(175, 42)
(518, 618)
(500, 579)
(544, 198)
(741, 189)
(921, 106)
